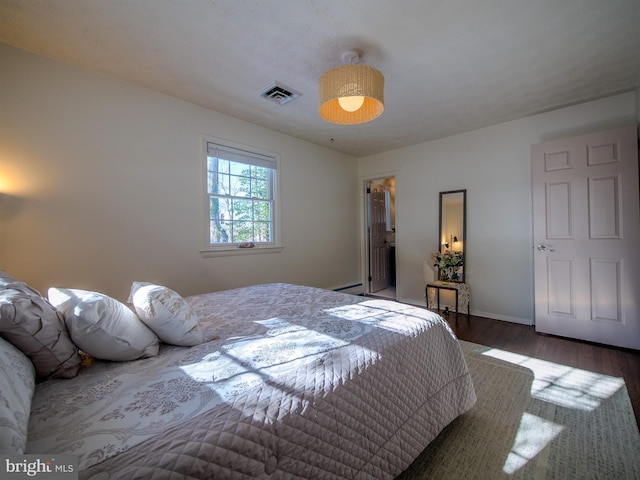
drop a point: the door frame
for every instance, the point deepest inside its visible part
(364, 221)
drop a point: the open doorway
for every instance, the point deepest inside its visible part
(381, 237)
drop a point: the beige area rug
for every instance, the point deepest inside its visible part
(535, 420)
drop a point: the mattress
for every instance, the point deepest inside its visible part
(302, 383)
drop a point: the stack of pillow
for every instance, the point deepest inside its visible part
(41, 339)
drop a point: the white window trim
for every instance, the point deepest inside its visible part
(209, 250)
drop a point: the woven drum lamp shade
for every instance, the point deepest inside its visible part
(352, 80)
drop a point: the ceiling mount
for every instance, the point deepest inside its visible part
(351, 57)
(351, 93)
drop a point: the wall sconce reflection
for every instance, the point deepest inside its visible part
(454, 239)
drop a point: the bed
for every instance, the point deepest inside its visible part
(298, 382)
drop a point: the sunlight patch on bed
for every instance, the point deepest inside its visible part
(563, 385)
(534, 433)
(277, 326)
(249, 361)
(357, 311)
(377, 313)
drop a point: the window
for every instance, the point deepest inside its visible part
(241, 197)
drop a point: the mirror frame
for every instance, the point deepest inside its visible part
(464, 228)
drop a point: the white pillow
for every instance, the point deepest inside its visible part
(17, 384)
(166, 313)
(102, 326)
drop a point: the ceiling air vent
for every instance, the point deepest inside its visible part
(279, 94)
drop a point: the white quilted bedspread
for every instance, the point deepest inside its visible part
(303, 383)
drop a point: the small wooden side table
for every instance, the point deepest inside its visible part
(462, 294)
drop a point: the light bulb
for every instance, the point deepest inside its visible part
(351, 104)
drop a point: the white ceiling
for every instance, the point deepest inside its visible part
(450, 65)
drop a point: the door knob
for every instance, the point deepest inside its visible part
(544, 248)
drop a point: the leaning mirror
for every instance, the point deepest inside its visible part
(453, 235)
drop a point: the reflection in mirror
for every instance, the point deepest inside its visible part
(453, 235)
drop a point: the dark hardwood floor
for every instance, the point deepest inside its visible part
(524, 340)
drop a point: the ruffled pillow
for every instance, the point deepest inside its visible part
(37, 329)
(102, 326)
(166, 313)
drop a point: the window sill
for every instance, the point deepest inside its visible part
(231, 251)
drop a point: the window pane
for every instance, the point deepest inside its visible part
(214, 208)
(222, 185)
(240, 186)
(262, 211)
(217, 165)
(242, 210)
(242, 231)
(219, 232)
(219, 209)
(262, 232)
(239, 168)
(260, 188)
(211, 180)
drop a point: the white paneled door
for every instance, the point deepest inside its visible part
(378, 251)
(586, 227)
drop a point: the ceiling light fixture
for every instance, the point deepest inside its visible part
(351, 93)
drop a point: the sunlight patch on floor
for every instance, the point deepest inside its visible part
(560, 386)
(533, 435)
(563, 385)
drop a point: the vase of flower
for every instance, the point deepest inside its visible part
(448, 263)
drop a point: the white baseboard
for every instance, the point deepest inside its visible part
(505, 318)
(356, 289)
(412, 301)
(477, 313)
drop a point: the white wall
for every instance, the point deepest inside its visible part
(493, 164)
(102, 185)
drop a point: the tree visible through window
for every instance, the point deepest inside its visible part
(240, 186)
